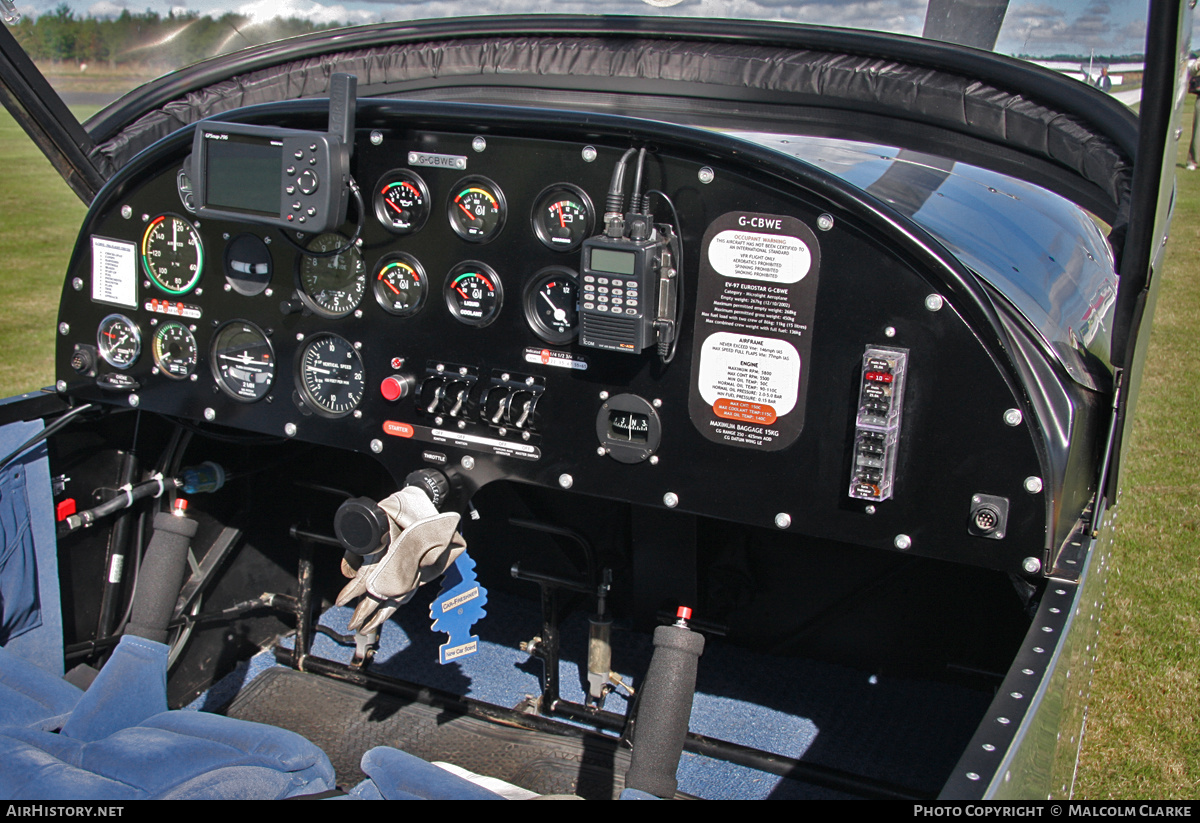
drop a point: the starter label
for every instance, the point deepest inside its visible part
(755, 305)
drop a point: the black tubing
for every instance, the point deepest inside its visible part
(161, 576)
(664, 711)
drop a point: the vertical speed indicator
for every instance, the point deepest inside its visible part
(331, 375)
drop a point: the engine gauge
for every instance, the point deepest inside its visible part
(172, 254)
(474, 293)
(552, 304)
(175, 351)
(563, 217)
(332, 286)
(400, 284)
(243, 361)
(119, 341)
(331, 375)
(476, 209)
(402, 201)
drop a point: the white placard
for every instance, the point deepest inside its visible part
(748, 255)
(750, 369)
(114, 272)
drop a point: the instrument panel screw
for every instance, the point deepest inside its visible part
(524, 435)
(126, 212)
(468, 462)
(61, 385)
(1033, 485)
(377, 445)
(439, 368)
(529, 381)
(358, 414)
(1013, 417)
(462, 424)
(134, 400)
(654, 460)
(603, 394)
(358, 312)
(600, 450)
(656, 403)
(1031, 565)
(269, 292)
(77, 283)
(934, 302)
(145, 218)
(479, 144)
(299, 336)
(902, 542)
(566, 481)
(357, 345)
(228, 287)
(64, 329)
(869, 510)
(890, 331)
(376, 137)
(706, 175)
(506, 377)
(670, 500)
(210, 414)
(825, 222)
(289, 429)
(783, 520)
(589, 154)
(462, 370)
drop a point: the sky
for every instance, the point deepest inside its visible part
(1040, 27)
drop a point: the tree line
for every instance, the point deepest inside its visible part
(147, 37)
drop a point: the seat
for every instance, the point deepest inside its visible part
(31, 696)
(119, 742)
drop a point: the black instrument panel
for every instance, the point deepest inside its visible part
(449, 335)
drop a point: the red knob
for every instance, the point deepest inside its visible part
(393, 388)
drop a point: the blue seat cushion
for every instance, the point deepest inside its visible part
(32, 697)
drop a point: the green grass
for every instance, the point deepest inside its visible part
(1142, 738)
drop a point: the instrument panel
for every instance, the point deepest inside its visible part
(810, 383)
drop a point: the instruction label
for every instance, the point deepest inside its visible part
(754, 312)
(114, 272)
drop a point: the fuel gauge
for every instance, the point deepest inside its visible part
(552, 304)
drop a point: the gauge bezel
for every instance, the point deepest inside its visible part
(501, 205)
(529, 303)
(381, 213)
(415, 265)
(106, 349)
(163, 370)
(452, 302)
(215, 368)
(149, 271)
(313, 402)
(303, 259)
(551, 193)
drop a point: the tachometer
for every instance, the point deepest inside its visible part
(476, 209)
(119, 341)
(243, 361)
(474, 293)
(175, 351)
(331, 375)
(402, 201)
(332, 286)
(172, 254)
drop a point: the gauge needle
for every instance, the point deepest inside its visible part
(319, 370)
(390, 286)
(397, 209)
(466, 211)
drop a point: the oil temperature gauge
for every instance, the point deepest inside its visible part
(175, 351)
(552, 304)
(119, 341)
(331, 375)
(400, 284)
(563, 217)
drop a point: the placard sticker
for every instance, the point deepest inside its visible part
(755, 305)
(114, 272)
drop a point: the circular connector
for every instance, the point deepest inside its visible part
(986, 519)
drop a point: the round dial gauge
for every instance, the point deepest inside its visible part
(172, 254)
(400, 284)
(332, 286)
(331, 375)
(474, 293)
(175, 351)
(243, 361)
(119, 341)
(476, 209)
(563, 217)
(552, 304)
(402, 201)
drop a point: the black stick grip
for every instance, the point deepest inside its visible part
(161, 576)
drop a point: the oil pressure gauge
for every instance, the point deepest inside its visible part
(119, 341)
(402, 201)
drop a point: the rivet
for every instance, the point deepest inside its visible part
(210, 414)
(654, 460)
(1012, 417)
(64, 329)
(377, 445)
(972, 776)
(783, 520)
(289, 429)
(468, 462)
(126, 212)
(869, 510)
(890, 331)
(656, 403)
(670, 500)
(357, 414)
(566, 481)
(825, 222)
(934, 302)
(1033, 485)
(1031, 565)
(61, 385)
(269, 292)
(77, 283)
(600, 450)
(603, 395)
(589, 154)
(376, 137)
(479, 144)
(902, 542)
(299, 336)
(706, 175)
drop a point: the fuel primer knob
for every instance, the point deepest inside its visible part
(433, 483)
(360, 525)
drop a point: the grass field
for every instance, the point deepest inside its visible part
(1142, 739)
